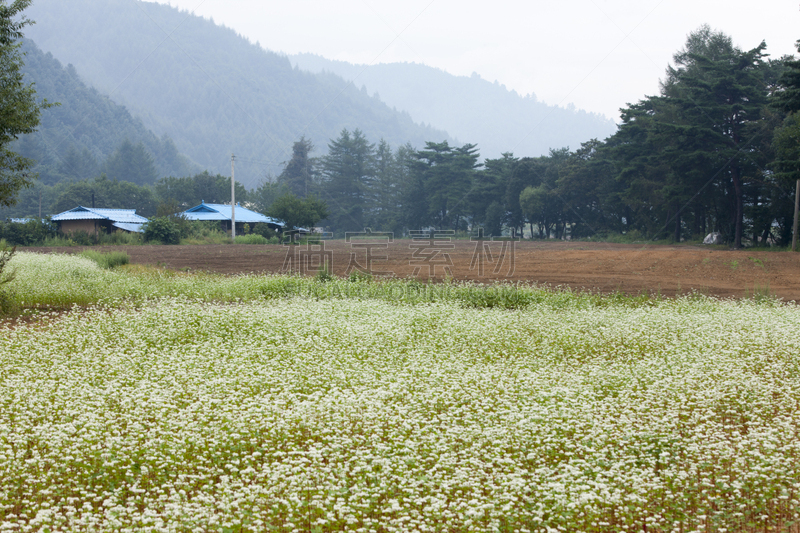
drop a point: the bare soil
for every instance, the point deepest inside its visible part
(601, 267)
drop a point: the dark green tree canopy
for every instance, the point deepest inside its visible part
(298, 212)
(298, 174)
(203, 187)
(133, 163)
(19, 110)
(787, 97)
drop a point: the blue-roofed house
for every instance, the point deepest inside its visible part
(94, 220)
(222, 213)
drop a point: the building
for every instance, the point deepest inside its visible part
(94, 220)
(222, 213)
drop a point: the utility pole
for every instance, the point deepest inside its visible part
(796, 209)
(233, 201)
(40, 204)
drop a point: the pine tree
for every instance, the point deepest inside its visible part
(348, 172)
(298, 174)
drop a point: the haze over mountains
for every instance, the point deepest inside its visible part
(471, 109)
(76, 138)
(214, 93)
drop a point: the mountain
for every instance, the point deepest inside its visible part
(470, 108)
(76, 138)
(211, 90)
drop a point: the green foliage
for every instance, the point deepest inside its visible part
(787, 147)
(298, 212)
(325, 273)
(266, 193)
(106, 193)
(298, 174)
(75, 139)
(107, 260)
(34, 232)
(347, 173)
(119, 238)
(264, 230)
(163, 230)
(204, 232)
(356, 276)
(444, 175)
(255, 239)
(493, 220)
(19, 109)
(190, 191)
(131, 163)
(787, 98)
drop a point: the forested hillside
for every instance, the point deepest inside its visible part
(87, 133)
(471, 109)
(208, 88)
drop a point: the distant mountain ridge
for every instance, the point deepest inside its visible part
(210, 90)
(470, 108)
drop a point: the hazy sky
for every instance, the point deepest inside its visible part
(596, 54)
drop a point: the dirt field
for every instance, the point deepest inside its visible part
(601, 267)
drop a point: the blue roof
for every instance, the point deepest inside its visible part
(90, 213)
(133, 228)
(206, 211)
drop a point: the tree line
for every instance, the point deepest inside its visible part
(717, 150)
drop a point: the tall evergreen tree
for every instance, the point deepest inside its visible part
(696, 142)
(298, 174)
(391, 171)
(446, 175)
(720, 89)
(787, 97)
(348, 171)
(131, 163)
(488, 191)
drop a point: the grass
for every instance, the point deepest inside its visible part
(255, 239)
(61, 281)
(107, 260)
(216, 237)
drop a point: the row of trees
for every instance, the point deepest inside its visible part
(716, 150)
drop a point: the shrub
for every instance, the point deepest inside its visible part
(107, 260)
(264, 230)
(325, 273)
(82, 238)
(31, 233)
(251, 239)
(118, 238)
(163, 230)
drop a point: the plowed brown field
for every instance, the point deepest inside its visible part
(630, 268)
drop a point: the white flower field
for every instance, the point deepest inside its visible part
(190, 412)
